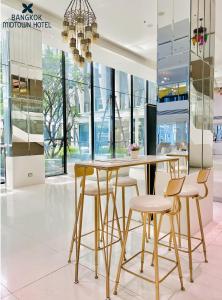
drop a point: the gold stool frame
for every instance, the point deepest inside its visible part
(174, 188)
(201, 179)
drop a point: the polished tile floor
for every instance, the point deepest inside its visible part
(36, 225)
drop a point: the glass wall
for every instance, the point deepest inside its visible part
(139, 102)
(93, 112)
(78, 111)
(4, 107)
(122, 113)
(53, 109)
(217, 133)
(2, 144)
(103, 137)
(173, 77)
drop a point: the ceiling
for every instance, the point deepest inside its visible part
(133, 24)
(121, 21)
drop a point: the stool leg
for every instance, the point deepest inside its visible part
(189, 239)
(158, 233)
(74, 232)
(123, 210)
(79, 240)
(96, 235)
(170, 241)
(149, 223)
(143, 241)
(122, 252)
(117, 218)
(156, 265)
(179, 229)
(176, 252)
(201, 229)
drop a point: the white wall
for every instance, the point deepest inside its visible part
(105, 56)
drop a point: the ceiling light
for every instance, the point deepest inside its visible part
(80, 30)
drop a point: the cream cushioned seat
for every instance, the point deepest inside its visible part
(150, 203)
(189, 191)
(125, 181)
(92, 189)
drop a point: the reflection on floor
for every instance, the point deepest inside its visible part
(36, 230)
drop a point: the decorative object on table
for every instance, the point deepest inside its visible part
(182, 147)
(80, 30)
(200, 35)
(134, 150)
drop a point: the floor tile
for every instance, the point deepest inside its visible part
(4, 291)
(60, 285)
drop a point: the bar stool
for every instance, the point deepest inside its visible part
(155, 205)
(188, 193)
(91, 190)
(123, 183)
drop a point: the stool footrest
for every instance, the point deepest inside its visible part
(184, 250)
(117, 239)
(133, 228)
(143, 277)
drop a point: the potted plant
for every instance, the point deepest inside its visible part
(134, 150)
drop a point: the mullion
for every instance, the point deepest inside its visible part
(132, 135)
(113, 112)
(92, 111)
(64, 112)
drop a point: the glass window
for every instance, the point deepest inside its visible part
(152, 93)
(139, 101)
(139, 87)
(122, 124)
(122, 82)
(78, 111)
(217, 133)
(2, 144)
(52, 61)
(102, 76)
(53, 111)
(78, 103)
(73, 72)
(102, 122)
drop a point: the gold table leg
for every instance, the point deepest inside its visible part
(122, 253)
(74, 231)
(96, 235)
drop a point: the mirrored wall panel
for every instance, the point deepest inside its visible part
(201, 83)
(25, 93)
(173, 79)
(185, 80)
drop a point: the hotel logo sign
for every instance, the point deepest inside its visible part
(27, 19)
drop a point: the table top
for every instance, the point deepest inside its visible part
(115, 163)
(178, 153)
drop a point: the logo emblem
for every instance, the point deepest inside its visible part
(27, 8)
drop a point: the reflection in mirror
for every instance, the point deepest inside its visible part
(201, 85)
(173, 79)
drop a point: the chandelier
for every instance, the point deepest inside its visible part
(200, 35)
(80, 30)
